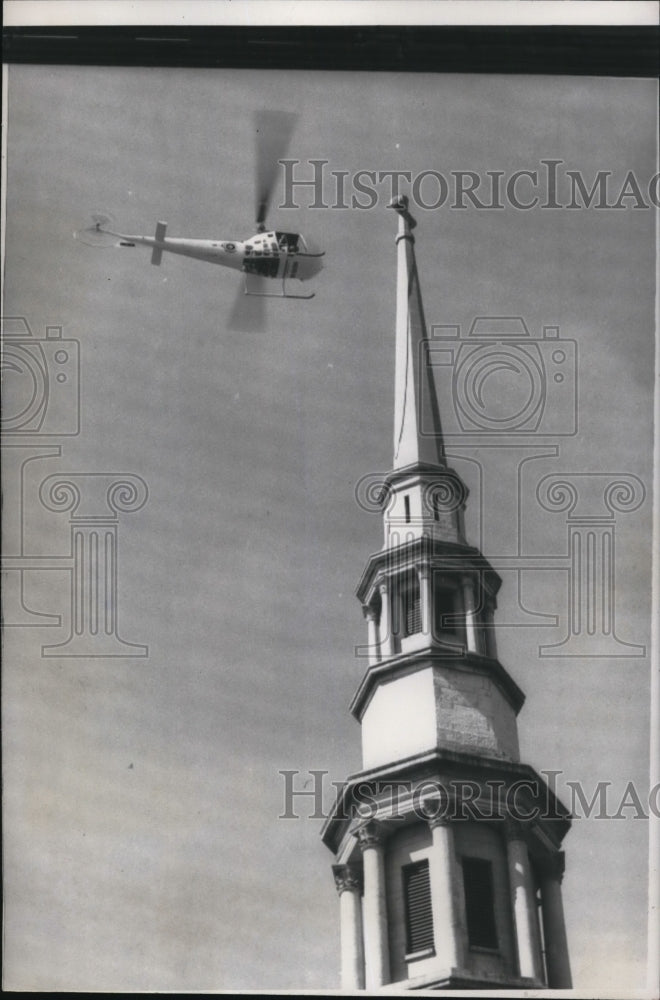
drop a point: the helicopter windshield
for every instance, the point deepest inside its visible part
(287, 242)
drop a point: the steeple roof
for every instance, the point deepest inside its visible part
(417, 429)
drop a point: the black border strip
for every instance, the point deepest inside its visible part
(580, 50)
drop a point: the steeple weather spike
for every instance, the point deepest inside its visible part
(417, 429)
(400, 205)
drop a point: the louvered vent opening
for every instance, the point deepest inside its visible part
(412, 605)
(479, 903)
(419, 917)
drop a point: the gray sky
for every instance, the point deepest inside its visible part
(142, 845)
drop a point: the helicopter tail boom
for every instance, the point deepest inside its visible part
(157, 252)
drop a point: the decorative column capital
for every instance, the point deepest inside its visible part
(348, 878)
(372, 834)
(424, 571)
(369, 612)
(93, 496)
(591, 497)
(383, 586)
(552, 866)
(434, 821)
(514, 829)
(435, 809)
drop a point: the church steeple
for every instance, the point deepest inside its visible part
(417, 429)
(444, 897)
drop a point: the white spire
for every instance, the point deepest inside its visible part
(417, 429)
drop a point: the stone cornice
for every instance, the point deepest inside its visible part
(420, 470)
(441, 555)
(445, 766)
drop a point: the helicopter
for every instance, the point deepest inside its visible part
(268, 254)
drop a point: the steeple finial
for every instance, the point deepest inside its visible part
(417, 428)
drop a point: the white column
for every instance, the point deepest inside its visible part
(376, 944)
(468, 603)
(554, 928)
(425, 593)
(372, 634)
(385, 629)
(524, 903)
(348, 884)
(446, 924)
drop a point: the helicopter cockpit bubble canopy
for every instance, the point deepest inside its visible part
(290, 237)
(275, 242)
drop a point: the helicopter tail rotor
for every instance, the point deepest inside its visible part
(98, 234)
(274, 130)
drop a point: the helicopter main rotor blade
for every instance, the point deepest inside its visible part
(248, 311)
(274, 130)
